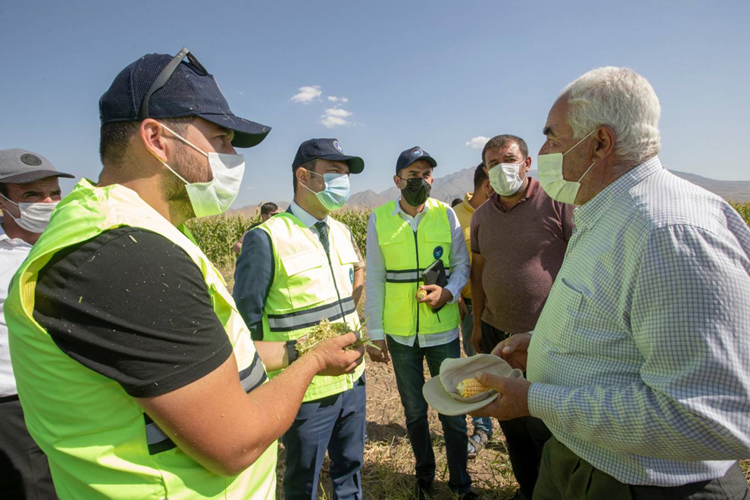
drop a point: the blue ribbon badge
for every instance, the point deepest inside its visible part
(438, 252)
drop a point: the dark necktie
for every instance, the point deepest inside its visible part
(322, 228)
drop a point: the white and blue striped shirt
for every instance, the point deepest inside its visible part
(640, 361)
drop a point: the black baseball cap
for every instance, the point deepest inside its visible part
(18, 166)
(411, 155)
(327, 149)
(162, 86)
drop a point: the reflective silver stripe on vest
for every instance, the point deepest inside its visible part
(254, 375)
(310, 317)
(157, 440)
(408, 276)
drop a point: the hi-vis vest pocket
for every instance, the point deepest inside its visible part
(296, 264)
(347, 255)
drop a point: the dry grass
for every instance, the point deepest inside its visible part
(388, 471)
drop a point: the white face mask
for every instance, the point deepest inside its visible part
(216, 196)
(551, 176)
(505, 178)
(336, 191)
(34, 216)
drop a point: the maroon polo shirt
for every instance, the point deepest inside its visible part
(523, 249)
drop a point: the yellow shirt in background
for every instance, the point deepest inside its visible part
(464, 211)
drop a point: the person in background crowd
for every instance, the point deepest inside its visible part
(464, 210)
(404, 237)
(518, 241)
(137, 376)
(267, 210)
(639, 361)
(456, 201)
(29, 192)
(296, 270)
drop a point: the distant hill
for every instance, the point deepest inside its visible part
(254, 210)
(456, 185)
(729, 190)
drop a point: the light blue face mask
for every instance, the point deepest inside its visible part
(336, 192)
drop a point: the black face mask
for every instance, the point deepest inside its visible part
(416, 192)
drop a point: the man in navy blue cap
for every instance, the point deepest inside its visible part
(295, 271)
(410, 322)
(151, 386)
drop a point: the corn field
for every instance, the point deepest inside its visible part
(216, 235)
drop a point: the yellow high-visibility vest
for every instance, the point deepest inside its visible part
(309, 286)
(99, 441)
(406, 255)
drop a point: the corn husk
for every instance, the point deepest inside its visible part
(326, 330)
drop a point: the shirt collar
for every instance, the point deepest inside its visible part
(466, 203)
(531, 189)
(587, 214)
(304, 217)
(7, 241)
(400, 211)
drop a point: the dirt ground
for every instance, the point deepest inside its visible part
(388, 472)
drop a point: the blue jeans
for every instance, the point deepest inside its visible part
(334, 423)
(408, 365)
(467, 326)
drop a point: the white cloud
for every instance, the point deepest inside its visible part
(338, 112)
(335, 117)
(342, 100)
(307, 94)
(477, 142)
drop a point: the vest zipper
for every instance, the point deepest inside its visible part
(416, 246)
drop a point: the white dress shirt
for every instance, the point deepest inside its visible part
(375, 283)
(305, 218)
(13, 252)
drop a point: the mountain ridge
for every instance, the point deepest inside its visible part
(457, 184)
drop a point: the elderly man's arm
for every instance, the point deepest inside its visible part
(689, 318)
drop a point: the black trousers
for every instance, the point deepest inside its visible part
(566, 476)
(525, 436)
(24, 471)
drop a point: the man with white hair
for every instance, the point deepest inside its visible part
(638, 363)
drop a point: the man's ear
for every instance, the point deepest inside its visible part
(396, 180)
(605, 142)
(303, 176)
(152, 136)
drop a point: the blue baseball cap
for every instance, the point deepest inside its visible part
(326, 149)
(411, 155)
(162, 86)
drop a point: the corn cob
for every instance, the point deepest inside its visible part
(470, 387)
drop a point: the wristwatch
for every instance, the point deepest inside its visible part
(291, 351)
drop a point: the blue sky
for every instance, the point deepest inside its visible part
(434, 74)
